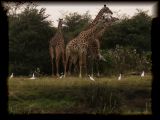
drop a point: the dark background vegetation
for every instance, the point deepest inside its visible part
(126, 46)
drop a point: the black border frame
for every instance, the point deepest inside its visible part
(155, 31)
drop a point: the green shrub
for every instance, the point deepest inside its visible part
(125, 59)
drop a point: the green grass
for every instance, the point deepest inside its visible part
(107, 95)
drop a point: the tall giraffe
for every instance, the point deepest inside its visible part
(105, 10)
(96, 45)
(57, 47)
(79, 45)
(94, 55)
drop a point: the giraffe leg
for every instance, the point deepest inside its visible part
(70, 65)
(80, 66)
(51, 57)
(76, 65)
(92, 67)
(97, 66)
(75, 68)
(63, 58)
(66, 63)
(88, 65)
(84, 60)
(57, 61)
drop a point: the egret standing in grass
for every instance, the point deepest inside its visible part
(33, 77)
(91, 78)
(120, 77)
(142, 75)
(62, 75)
(11, 76)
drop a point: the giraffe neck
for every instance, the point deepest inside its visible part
(101, 32)
(58, 37)
(88, 34)
(59, 27)
(94, 22)
(94, 48)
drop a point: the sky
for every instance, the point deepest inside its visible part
(58, 10)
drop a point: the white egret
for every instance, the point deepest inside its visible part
(142, 75)
(61, 76)
(91, 78)
(120, 76)
(11, 76)
(33, 77)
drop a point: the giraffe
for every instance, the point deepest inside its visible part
(79, 45)
(104, 10)
(95, 46)
(57, 47)
(94, 55)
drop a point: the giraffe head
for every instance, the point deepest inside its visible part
(98, 55)
(111, 21)
(101, 22)
(114, 20)
(61, 22)
(106, 12)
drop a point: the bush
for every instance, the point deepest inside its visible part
(125, 59)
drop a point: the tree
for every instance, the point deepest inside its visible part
(134, 32)
(75, 23)
(133, 37)
(29, 34)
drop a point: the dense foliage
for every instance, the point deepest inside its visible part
(74, 24)
(124, 59)
(133, 32)
(127, 45)
(29, 33)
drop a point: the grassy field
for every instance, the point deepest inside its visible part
(107, 95)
